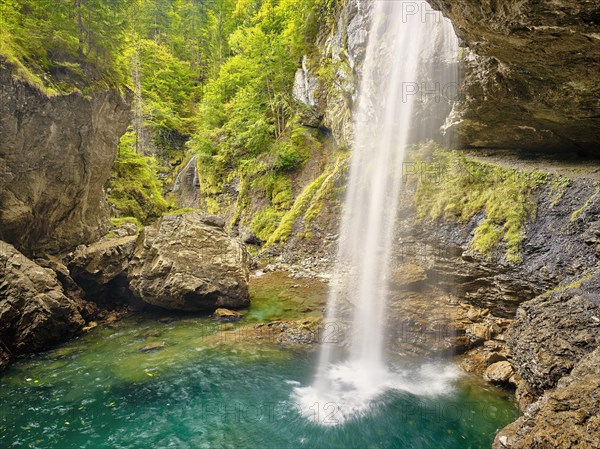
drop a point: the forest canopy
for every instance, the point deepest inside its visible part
(211, 78)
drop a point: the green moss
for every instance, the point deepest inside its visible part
(286, 225)
(575, 284)
(487, 237)
(452, 186)
(558, 187)
(120, 221)
(183, 210)
(241, 203)
(282, 195)
(587, 204)
(265, 222)
(134, 189)
(212, 206)
(325, 192)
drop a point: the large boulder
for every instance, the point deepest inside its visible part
(102, 261)
(34, 312)
(184, 263)
(100, 269)
(56, 154)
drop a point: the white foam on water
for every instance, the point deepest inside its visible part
(355, 390)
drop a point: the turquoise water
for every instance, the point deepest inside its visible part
(198, 389)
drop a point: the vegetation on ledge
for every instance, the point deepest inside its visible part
(453, 186)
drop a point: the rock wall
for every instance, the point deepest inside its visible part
(531, 71)
(330, 95)
(56, 154)
(565, 418)
(550, 299)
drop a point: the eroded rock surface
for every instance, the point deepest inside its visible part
(552, 332)
(565, 418)
(102, 261)
(34, 312)
(183, 263)
(56, 154)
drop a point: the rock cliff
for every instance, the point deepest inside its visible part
(34, 311)
(56, 154)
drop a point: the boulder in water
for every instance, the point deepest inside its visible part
(183, 263)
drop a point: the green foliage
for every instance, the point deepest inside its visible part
(452, 186)
(65, 44)
(247, 110)
(168, 87)
(135, 190)
(283, 231)
(216, 76)
(265, 222)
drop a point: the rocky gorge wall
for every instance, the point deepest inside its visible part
(56, 154)
(536, 316)
(517, 94)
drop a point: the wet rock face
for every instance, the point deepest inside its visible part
(34, 312)
(183, 263)
(187, 184)
(530, 73)
(56, 153)
(558, 248)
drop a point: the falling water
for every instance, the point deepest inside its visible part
(408, 73)
(186, 185)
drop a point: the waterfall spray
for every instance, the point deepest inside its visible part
(401, 73)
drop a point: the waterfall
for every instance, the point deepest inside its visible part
(409, 71)
(186, 185)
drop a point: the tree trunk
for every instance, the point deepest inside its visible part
(80, 26)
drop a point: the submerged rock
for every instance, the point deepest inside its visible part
(153, 346)
(226, 315)
(34, 312)
(183, 263)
